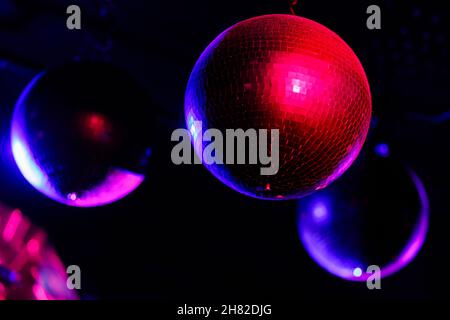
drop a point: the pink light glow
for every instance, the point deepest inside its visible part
(118, 184)
(12, 224)
(96, 127)
(33, 246)
(35, 270)
(2, 292)
(39, 292)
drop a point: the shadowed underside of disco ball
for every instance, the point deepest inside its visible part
(377, 215)
(30, 269)
(288, 73)
(78, 134)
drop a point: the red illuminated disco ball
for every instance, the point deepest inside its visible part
(289, 73)
(30, 269)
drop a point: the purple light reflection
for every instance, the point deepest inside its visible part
(341, 261)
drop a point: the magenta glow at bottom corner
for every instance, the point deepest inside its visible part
(30, 268)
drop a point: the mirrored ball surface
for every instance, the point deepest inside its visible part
(377, 215)
(78, 134)
(286, 73)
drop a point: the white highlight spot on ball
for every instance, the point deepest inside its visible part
(357, 272)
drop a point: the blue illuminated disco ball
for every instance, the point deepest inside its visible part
(376, 215)
(79, 134)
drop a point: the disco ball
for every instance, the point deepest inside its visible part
(289, 73)
(78, 134)
(30, 269)
(377, 215)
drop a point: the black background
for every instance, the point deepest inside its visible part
(184, 235)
